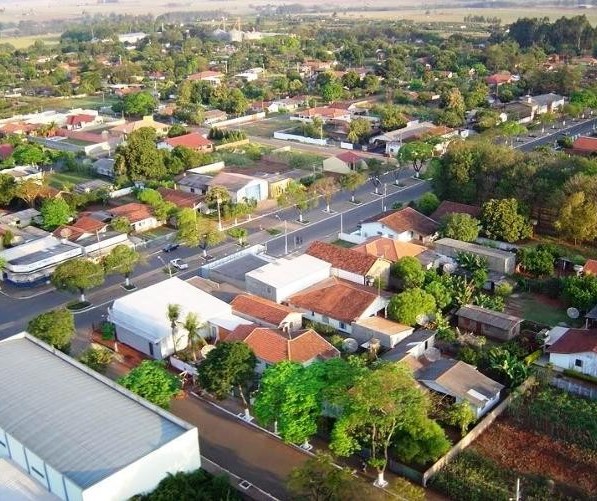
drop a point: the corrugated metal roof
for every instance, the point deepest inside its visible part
(77, 421)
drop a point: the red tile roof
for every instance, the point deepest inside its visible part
(590, 267)
(79, 119)
(576, 341)
(499, 78)
(349, 157)
(585, 144)
(133, 211)
(194, 141)
(180, 198)
(260, 308)
(335, 298)
(389, 249)
(274, 346)
(408, 219)
(341, 258)
(88, 224)
(448, 207)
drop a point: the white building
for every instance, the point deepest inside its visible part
(241, 186)
(80, 435)
(574, 349)
(284, 277)
(141, 319)
(132, 38)
(33, 262)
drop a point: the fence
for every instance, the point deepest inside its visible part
(489, 418)
(300, 139)
(350, 237)
(241, 120)
(576, 388)
(346, 146)
(202, 169)
(225, 146)
(204, 271)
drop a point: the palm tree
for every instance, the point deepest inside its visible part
(192, 325)
(173, 312)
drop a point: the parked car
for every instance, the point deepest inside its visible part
(179, 264)
(172, 246)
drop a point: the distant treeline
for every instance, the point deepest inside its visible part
(567, 35)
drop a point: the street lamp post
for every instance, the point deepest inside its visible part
(218, 202)
(167, 265)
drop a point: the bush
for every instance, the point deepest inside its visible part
(469, 355)
(97, 359)
(428, 203)
(504, 289)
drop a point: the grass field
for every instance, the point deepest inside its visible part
(59, 179)
(537, 309)
(24, 42)
(267, 127)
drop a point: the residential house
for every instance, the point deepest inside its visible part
(520, 112)
(80, 120)
(84, 437)
(272, 346)
(139, 215)
(497, 79)
(338, 303)
(574, 349)
(32, 263)
(544, 103)
(20, 219)
(585, 146)
(404, 225)
(141, 320)
(279, 105)
(412, 348)
(447, 207)
(211, 117)
(266, 313)
(104, 167)
(211, 77)
(181, 198)
(344, 163)
(499, 261)
(147, 121)
(18, 128)
(462, 382)
(132, 38)
(193, 183)
(93, 185)
(24, 173)
(351, 265)
(193, 141)
(414, 131)
(284, 277)
(94, 236)
(325, 113)
(241, 187)
(388, 333)
(251, 74)
(277, 182)
(393, 250)
(489, 323)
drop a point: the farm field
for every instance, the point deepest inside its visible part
(25, 42)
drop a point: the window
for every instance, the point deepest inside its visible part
(312, 313)
(151, 349)
(578, 362)
(342, 325)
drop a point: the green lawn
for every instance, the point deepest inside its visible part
(59, 179)
(343, 243)
(532, 307)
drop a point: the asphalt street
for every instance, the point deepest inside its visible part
(580, 127)
(15, 313)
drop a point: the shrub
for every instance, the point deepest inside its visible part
(428, 203)
(504, 289)
(97, 359)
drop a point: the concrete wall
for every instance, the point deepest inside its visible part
(499, 264)
(255, 117)
(301, 139)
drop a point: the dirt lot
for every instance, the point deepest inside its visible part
(533, 453)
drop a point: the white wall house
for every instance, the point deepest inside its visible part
(242, 187)
(574, 349)
(85, 438)
(278, 280)
(141, 317)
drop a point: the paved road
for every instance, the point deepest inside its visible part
(15, 313)
(580, 127)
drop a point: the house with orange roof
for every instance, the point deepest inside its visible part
(212, 77)
(272, 346)
(139, 215)
(147, 121)
(501, 78)
(182, 198)
(325, 113)
(404, 225)
(344, 163)
(357, 267)
(266, 313)
(584, 146)
(446, 207)
(193, 141)
(95, 236)
(338, 303)
(79, 120)
(393, 250)
(574, 349)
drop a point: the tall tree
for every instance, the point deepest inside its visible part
(460, 227)
(139, 159)
(326, 187)
(196, 230)
(8, 188)
(352, 182)
(387, 400)
(193, 326)
(78, 275)
(152, 381)
(139, 103)
(409, 271)
(296, 195)
(407, 306)
(173, 314)
(55, 212)
(577, 220)
(502, 221)
(416, 153)
(228, 366)
(123, 260)
(56, 327)
(29, 191)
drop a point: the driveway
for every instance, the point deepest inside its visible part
(245, 451)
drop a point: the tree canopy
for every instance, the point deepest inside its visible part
(502, 221)
(407, 306)
(55, 212)
(152, 381)
(56, 327)
(460, 226)
(78, 275)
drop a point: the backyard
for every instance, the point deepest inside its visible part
(537, 308)
(267, 127)
(61, 179)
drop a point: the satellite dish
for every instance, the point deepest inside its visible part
(350, 345)
(422, 319)
(572, 313)
(207, 349)
(432, 354)
(449, 268)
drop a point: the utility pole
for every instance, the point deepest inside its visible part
(285, 237)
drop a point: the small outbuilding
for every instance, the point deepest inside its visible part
(498, 260)
(488, 322)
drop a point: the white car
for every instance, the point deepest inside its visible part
(179, 264)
